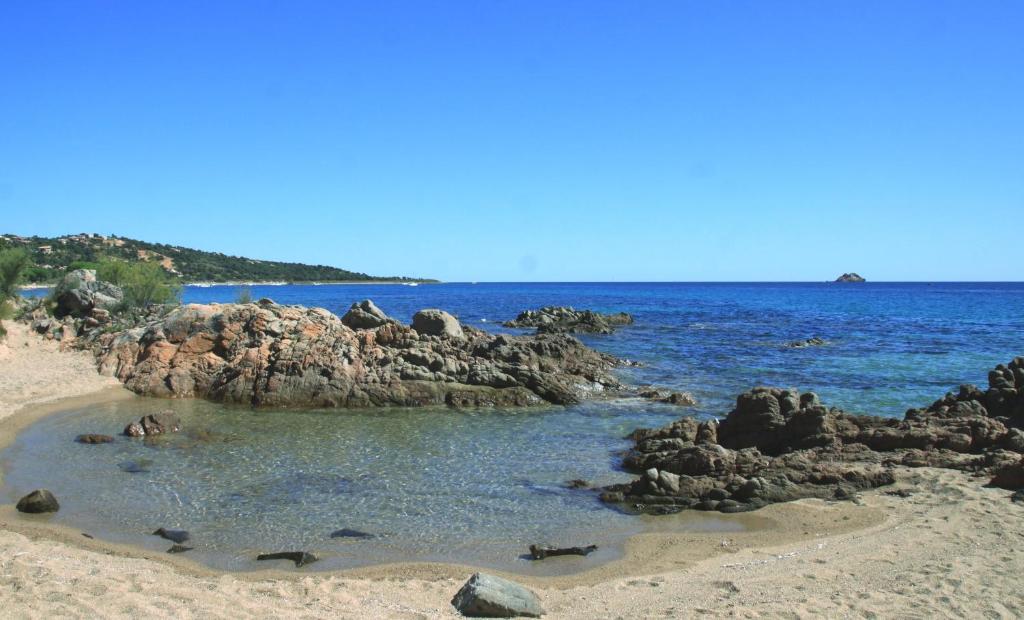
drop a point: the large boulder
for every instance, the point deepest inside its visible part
(38, 502)
(487, 596)
(435, 322)
(364, 315)
(79, 293)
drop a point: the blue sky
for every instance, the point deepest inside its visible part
(527, 140)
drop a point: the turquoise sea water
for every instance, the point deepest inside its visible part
(478, 486)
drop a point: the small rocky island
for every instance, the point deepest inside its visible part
(779, 445)
(850, 277)
(266, 354)
(566, 320)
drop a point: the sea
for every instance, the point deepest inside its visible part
(478, 486)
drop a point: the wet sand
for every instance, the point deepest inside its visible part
(953, 548)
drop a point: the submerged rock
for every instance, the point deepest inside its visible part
(487, 596)
(93, 438)
(140, 466)
(38, 502)
(301, 558)
(779, 445)
(350, 533)
(290, 356)
(566, 320)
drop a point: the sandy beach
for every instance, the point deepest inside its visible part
(952, 548)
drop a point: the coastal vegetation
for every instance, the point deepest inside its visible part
(52, 257)
(13, 263)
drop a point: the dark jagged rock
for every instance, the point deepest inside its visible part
(539, 553)
(265, 354)
(38, 502)
(565, 320)
(487, 596)
(850, 277)
(93, 438)
(681, 399)
(301, 558)
(780, 445)
(577, 484)
(154, 424)
(175, 536)
(350, 533)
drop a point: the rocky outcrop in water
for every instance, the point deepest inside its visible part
(565, 320)
(681, 399)
(780, 445)
(264, 354)
(154, 424)
(850, 277)
(809, 342)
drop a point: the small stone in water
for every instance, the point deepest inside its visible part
(176, 548)
(178, 536)
(350, 533)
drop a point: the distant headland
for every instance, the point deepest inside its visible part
(52, 257)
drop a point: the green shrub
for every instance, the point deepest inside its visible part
(148, 284)
(243, 295)
(13, 264)
(116, 272)
(83, 264)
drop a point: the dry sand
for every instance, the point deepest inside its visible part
(953, 549)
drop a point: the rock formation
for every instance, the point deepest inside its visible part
(682, 399)
(79, 293)
(850, 277)
(264, 354)
(809, 342)
(779, 445)
(565, 320)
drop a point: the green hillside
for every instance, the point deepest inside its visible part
(52, 257)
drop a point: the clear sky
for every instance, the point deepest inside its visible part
(487, 140)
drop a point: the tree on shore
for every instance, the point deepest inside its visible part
(13, 264)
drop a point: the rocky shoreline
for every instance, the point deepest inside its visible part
(779, 445)
(265, 354)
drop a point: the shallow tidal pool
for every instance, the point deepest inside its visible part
(473, 487)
